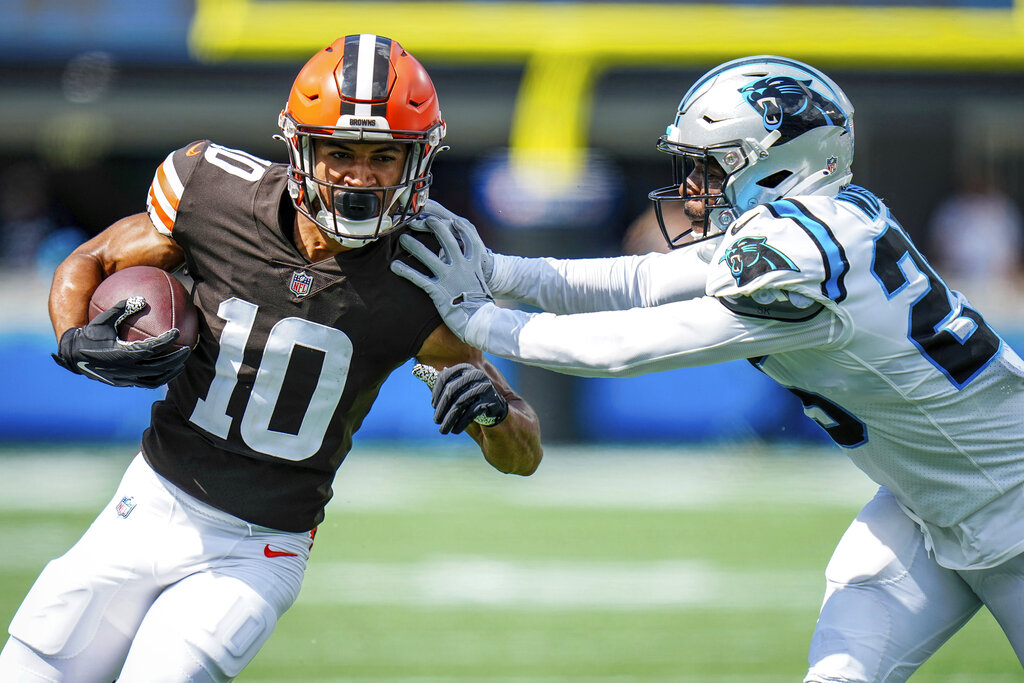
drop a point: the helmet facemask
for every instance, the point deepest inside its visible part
(718, 208)
(355, 216)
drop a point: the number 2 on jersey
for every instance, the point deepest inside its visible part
(255, 427)
(959, 343)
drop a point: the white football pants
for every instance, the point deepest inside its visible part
(161, 589)
(889, 605)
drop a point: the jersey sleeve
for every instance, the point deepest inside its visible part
(600, 284)
(640, 340)
(779, 261)
(168, 185)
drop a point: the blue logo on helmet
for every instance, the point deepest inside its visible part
(791, 107)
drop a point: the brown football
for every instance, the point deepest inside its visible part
(167, 304)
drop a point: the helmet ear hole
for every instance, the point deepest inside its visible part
(774, 179)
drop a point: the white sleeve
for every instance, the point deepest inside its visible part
(600, 284)
(642, 340)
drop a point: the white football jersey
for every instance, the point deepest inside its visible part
(830, 298)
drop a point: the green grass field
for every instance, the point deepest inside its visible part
(608, 565)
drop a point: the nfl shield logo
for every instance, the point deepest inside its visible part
(830, 164)
(125, 507)
(301, 282)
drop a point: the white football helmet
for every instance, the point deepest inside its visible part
(776, 126)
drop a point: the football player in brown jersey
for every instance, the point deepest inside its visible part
(204, 545)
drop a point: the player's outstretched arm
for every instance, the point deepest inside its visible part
(586, 285)
(468, 387)
(578, 285)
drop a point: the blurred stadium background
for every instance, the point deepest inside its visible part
(615, 562)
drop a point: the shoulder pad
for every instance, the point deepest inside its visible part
(231, 169)
(775, 248)
(168, 184)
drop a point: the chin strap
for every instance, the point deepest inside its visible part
(358, 233)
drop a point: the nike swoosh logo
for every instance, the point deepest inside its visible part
(194, 149)
(84, 367)
(270, 552)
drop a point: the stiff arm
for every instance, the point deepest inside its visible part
(602, 284)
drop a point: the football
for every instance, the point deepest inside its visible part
(167, 304)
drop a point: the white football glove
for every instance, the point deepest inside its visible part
(467, 234)
(457, 288)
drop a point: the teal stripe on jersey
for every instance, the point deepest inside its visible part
(833, 255)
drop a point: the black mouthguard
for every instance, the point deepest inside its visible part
(356, 206)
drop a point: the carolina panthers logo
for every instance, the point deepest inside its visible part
(791, 107)
(749, 257)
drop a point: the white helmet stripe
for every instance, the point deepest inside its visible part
(365, 64)
(366, 69)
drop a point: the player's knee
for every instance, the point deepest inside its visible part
(19, 662)
(817, 678)
(857, 639)
(58, 617)
(844, 668)
(245, 627)
(212, 651)
(837, 658)
(218, 649)
(204, 629)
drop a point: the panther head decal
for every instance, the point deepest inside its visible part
(791, 106)
(749, 257)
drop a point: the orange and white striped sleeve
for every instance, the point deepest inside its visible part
(166, 189)
(164, 194)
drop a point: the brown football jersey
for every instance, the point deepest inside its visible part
(291, 354)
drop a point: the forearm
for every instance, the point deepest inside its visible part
(569, 285)
(131, 241)
(605, 284)
(640, 341)
(512, 446)
(74, 281)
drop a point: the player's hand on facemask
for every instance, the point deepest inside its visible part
(457, 288)
(96, 352)
(467, 234)
(462, 393)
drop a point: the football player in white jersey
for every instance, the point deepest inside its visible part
(787, 264)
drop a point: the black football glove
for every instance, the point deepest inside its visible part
(96, 352)
(463, 392)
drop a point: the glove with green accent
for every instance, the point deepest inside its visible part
(462, 394)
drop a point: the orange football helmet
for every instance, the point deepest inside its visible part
(362, 88)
